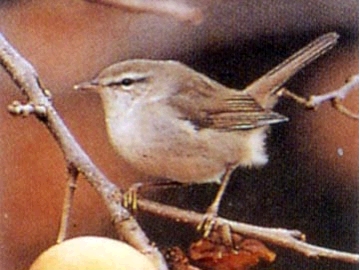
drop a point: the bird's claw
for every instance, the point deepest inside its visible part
(131, 197)
(207, 224)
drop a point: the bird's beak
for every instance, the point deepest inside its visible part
(86, 86)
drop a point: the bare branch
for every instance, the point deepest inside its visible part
(290, 239)
(179, 11)
(335, 97)
(68, 199)
(26, 78)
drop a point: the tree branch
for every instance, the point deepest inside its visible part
(290, 239)
(26, 78)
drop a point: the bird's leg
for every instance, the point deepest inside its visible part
(208, 221)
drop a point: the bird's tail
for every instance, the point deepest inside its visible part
(263, 89)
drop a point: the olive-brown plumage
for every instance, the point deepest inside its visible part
(171, 122)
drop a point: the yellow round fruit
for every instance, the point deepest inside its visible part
(92, 253)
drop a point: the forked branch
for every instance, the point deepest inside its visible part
(26, 78)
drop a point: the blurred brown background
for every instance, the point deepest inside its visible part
(307, 185)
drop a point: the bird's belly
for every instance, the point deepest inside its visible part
(168, 153)
(176, 150)
(184, 167)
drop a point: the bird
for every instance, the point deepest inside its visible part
(171, 122)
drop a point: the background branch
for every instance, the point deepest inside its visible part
(335, 97)
(175, 9)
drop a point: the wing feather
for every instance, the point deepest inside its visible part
(212, 105)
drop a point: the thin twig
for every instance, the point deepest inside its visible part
(290, 239)
(337, 104)
(335, 97)
(26, 78)
(179, 11)
(68, 199)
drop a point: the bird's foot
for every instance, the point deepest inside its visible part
(207, 224)
(131, 196)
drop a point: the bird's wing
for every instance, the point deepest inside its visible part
(242, 112)
(211, 105)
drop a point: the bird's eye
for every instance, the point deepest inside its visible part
(124, 82)
(127, 82)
